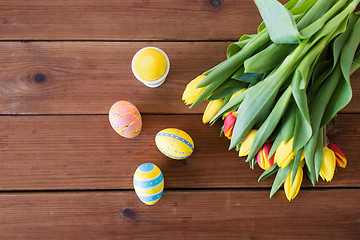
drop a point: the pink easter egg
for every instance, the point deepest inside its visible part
(125, 119)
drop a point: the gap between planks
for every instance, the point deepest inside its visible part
(217, 189)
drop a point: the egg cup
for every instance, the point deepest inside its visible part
(157, 82)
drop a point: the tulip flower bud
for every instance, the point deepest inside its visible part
(246, 144)
(263, 155)
(339, 155)
(211, 110)
(292, 190)
(236, 93)
(284, 153)
(229, 124)
(328, 164)
(191, 92)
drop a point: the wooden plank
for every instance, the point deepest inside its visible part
(88, 77)
(234, 214)
(83, 152)
(127, 20)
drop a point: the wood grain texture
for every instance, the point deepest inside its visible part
(84, 152)
(127, 20)
(224, 214)
(88, 77)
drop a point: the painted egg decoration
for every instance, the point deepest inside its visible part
(148, 183)
(125, 119)
(174, 143)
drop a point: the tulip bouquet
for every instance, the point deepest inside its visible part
(277, 89)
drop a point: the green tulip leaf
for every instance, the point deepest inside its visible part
(238, 73)
(235, 102)
(349, 50)
(301, 7)
(321, 71)
(252, 110)
(296, 164)
(279, 22)
(257, 105)
(208, 91)
(317, 108)
(311, 176)
(269, 172)
(318, 153)
(336, 24)
(291, 4)
(327, 9)
(250, 77)
(322, 97)
(237, 46)
(227, 88)
(226, 100)
(222, 131)
(212, 69)
(303, 129)
(280, 178)
(261, 27)
(230, 65)
(286, 131)
(343, 92)
(268, 58)
(270, 123)
(252, 163)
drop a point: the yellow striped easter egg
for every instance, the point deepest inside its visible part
(148, 183)
(174, 143)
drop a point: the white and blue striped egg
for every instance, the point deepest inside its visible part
(148, 183)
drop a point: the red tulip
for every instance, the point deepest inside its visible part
(340, 157)
(229, 124)
(263, 155)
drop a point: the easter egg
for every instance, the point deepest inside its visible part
(174, 143)
(125, 119)
(150, 65)
(148, 183)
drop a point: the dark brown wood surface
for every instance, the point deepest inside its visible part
(65, 174)
(208, 214)
(127, 20)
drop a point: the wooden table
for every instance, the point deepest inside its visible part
(65, 174)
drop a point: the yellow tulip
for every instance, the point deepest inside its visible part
(292, 190)
(237, 93)
(284, 153)
(191, 92)
(328, 164)
(246, 144)
(211, 110)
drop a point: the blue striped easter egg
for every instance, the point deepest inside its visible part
(148, 183)
(174, 143)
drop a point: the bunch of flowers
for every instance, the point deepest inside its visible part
(277, 89)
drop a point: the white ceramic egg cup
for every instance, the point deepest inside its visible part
(158, 82)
